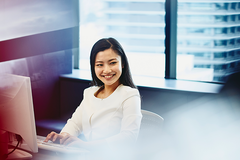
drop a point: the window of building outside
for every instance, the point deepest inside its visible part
(208, 40)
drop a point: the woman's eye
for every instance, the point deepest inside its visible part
(113, 62)
(99, 65)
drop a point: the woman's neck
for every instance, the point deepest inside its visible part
(106, 91)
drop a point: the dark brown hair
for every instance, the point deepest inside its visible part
(106, 43)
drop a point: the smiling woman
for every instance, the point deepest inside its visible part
(109, 115)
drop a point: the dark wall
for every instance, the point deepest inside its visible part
(163, 101)
(42, 67)
(39, 41)
(71, 95)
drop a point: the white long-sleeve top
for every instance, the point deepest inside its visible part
(116, 118)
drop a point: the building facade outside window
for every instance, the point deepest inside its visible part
(209, 33)
(208, 40)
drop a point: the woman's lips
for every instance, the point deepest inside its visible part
(108, 76)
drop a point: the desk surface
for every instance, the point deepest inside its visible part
(49, 155)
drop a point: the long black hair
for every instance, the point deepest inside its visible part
(106, 43)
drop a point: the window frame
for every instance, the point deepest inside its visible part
(171, 39)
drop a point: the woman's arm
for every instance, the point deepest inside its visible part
(130, 126)
(131, 122)
(74, 124)
(72, 127)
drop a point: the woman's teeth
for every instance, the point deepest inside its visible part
(108, 76)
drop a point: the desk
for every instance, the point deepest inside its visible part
(49, 155)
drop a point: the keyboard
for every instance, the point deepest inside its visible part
(58, 147)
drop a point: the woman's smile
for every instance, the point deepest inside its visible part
(108, 77)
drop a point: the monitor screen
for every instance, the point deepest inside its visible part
(16, 110)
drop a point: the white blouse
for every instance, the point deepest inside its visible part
(116, 118)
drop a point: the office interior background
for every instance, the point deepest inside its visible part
(50, 42)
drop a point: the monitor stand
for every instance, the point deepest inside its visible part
(18, 154)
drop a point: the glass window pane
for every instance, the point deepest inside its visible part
(208, 40)
(137, 25)
(221, 6)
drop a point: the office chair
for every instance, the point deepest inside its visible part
(151, 124)
(149, 138)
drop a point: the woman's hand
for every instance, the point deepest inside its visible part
(65, 139)
(55, 137)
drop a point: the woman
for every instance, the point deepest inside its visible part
(110, 112)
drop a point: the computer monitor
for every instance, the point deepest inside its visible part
(17, 113)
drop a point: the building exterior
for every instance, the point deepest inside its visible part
(210, 30)
(208, 35)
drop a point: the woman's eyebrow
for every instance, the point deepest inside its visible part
(108, 60)
(112, 59)
(99, 62)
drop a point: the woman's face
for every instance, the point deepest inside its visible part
(108, 67)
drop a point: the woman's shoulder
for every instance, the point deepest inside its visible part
(128, 91)
(91, 89)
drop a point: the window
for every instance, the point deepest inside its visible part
(221, 42)
(220, 31)
(231, 54)
(137, 25)
(232, 30)
(238, 53)
(219, 55)
(233, 18)
(202, 66)
(238, 41)
(219, 19)
(207, 35)
(221, 6)
(233, 6)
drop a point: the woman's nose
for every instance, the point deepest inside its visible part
(107, 69)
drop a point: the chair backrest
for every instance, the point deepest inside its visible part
(150, 130)
(151, 121)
